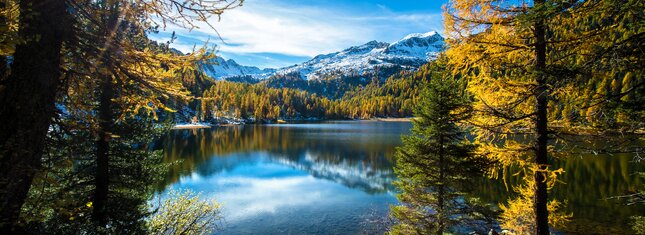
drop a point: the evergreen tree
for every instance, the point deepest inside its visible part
(436, 163)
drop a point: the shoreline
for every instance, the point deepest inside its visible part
(191, 126)
(202, 125)
(406, 119)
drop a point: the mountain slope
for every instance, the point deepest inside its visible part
(219, 68)
(365, 60)
(373, 59)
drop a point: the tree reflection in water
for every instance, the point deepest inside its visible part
(358, 156)
(355, 157)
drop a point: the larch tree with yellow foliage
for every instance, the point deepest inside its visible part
(525, 60)
(132, 77)
(63, 41)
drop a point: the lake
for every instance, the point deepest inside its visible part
(335, 178)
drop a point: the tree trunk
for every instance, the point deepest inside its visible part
(27, 99)
(3, 68)
(541, 154)
(106, 120)
(102, 180)
(441, 190)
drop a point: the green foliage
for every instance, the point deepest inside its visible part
(335, 84)
(395, 97)
(638, 224)
(241, 100)
(144, 75)
(436, 163)
(68, 175)
(333, 87)
(185, 213)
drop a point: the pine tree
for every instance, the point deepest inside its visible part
(435, 164)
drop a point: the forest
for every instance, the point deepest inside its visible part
(85, 94)
(395, 97)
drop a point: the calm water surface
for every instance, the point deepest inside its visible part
(334, 177)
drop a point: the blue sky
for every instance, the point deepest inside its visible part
(278, 33)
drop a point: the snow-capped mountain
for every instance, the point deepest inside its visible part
(219, 68)
(408, 53)
(426, 45)
(366, 177)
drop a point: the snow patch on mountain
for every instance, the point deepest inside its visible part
(219, 68)
(427, 45)
(408, 53)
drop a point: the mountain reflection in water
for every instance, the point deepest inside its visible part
(298, 178)
(331, 177)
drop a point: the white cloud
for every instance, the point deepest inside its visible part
(256, 196)
(244, 197)
(258, 27)
(263, 27)
(298, 31)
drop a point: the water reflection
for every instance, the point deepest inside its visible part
(358, 156)
(305, 178)
(325, 178)
(588, 183)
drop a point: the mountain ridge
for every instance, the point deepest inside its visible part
(220, 68)
(364, 60)
(408, 53)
